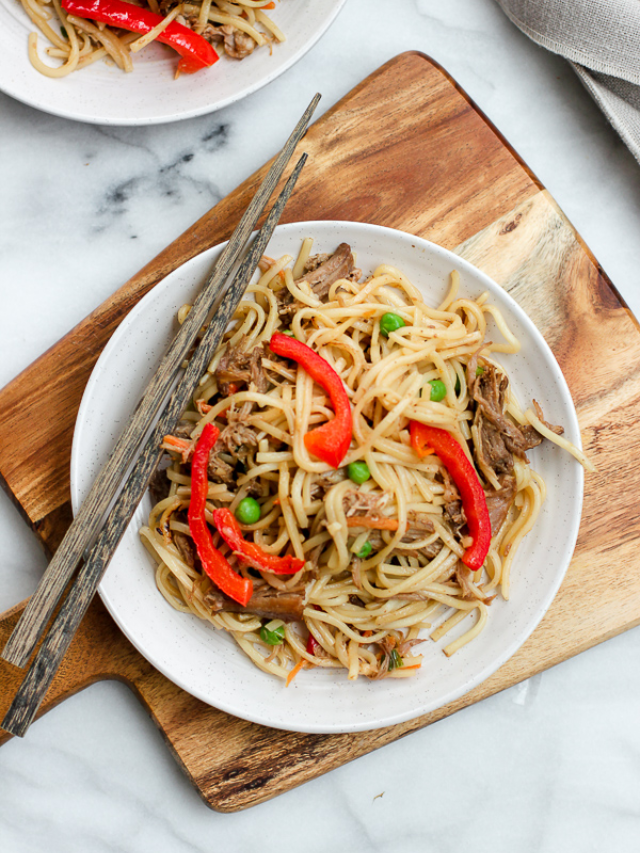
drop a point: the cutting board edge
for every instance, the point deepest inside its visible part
(24, 515)
(596, 263)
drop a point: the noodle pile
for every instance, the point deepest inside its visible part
(364, 613)
(236, 27)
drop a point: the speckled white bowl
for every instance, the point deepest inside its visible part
(102, 94)
(206, 662)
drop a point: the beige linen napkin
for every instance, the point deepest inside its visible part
(601, 39)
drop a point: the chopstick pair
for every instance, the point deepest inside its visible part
(88, 524)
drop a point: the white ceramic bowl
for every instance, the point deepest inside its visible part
(206, 662)
(102, 94)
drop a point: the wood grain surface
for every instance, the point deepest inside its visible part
(406, 149)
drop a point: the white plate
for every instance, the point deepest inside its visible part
(206, 662)
(102, 94)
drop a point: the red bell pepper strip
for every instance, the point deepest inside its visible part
(228, 527)
(426, 439)
(329, 442)
(214, 563)
(313, 646)
(196, 52)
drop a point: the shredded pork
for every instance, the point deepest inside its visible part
(470, 591)
(500, 435)
(499, 501)
(237, 44)
(453, 511)
(185, 547)
(220, 471)
(369, 504)
(237, 439)
(266, 602)
(319, 276)
(540, 414)
(239, 367)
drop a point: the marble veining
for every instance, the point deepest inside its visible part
(551, 764)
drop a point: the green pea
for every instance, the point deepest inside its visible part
(358, 472)
(438, 390)
(272, 638)
(390, 323)
(364, 552)
(395, 661)
(248, 511)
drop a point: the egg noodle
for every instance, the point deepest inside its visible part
(236, 27)
(365, 613)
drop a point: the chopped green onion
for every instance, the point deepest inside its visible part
(390, 322)
(438, 390)
(458, 386)
(395, 661)
(64, 33)
(358, 472)
(364, 552)
(289, 333)
(272, 638)
(479, 371)
(248, 511)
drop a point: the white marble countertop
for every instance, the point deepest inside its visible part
(548, 765)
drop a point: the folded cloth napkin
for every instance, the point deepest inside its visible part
(601, 39)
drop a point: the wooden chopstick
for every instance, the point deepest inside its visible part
(87, 522)
(49, 656)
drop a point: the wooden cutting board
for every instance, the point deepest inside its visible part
(408, 149)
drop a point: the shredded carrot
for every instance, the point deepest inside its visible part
(172, 442)
(367, 633)
(271, 5)
(295, 671)
(376, 523)
(203, 407)
(413, 666)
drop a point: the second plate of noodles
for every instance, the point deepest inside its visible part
(372, 457)
(92, 61)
